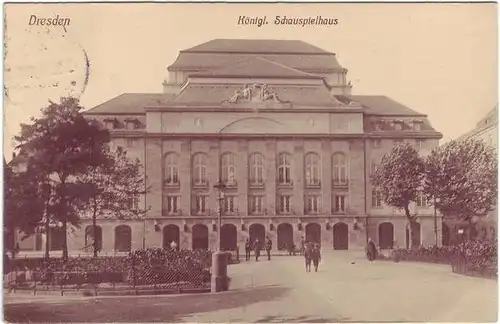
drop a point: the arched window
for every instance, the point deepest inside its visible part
(123, 238)
(200, 169)
(313, 169)
(256, 169)
(171, 173)
(339, 168)
(284, 169)
(228, 168)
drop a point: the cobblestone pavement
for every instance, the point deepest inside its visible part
(347, 288)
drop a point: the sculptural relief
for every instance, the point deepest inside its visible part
(254, 93)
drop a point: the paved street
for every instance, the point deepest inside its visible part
(281, 291)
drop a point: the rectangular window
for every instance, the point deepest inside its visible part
(421, 200)
(256, 204)
(172, 204)
(284, 175)
(313, 204)
(376, 198)
(229, 204)
(417, 126)
(130, 125)
(133, 202)
(420, 144)
(132, 142)
(200, 204)
(374, 167)
(377, 143)
(284, 204)
(340, 203)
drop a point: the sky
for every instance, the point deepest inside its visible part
(438, 59)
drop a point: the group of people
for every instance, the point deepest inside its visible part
(257, 246)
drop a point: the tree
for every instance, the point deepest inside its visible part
(62, 144)
(462, 174)
(399, 178)
(24, 205)
(112, 188)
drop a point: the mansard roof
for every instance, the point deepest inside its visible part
(256, 67)
(130, 103)
(384, 106)
(260, 46)
(198, 94)
(218, 53)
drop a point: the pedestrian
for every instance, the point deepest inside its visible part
(248, 248)
(269, 246)
(302, 246)
(371, 250)
(307, 256)
(316, 256)
(257, 248)
(173, 245)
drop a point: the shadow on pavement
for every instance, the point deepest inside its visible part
(138, 309)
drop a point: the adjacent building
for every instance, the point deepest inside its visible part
(276, 123)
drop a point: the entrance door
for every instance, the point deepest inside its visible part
(313, 233)
(340, 236)
(229, 237)
(257, 231)
(285, 236)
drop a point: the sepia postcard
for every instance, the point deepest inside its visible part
(250, 162)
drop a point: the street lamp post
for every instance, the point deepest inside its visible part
(219, 190)
(219, 281)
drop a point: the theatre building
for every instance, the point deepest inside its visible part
(276, 122)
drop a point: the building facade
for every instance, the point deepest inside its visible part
(275, 122)
(485, 227)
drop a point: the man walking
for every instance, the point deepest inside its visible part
(269, 245)
(248, 248)
(371, 250)
(316, 256)
(257, 248)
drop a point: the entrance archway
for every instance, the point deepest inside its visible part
(415, 240)
(123, 238)
(386, 235)
(170, 233)
(257, 231)
(200, 237)
(285, 236)
(313, 233)
(229, 237)
(340, 236)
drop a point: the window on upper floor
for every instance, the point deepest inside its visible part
(200, 204)
(199, 171)
(132, 142)
(171, 172)
(373, 167)
(339, 203)
(133, 202)
(256, 176)
(229, 205)
(420, 144)
(312, 169)
(284, 204)
(421, 200)
(284, 169)
(417, 126)
(376, 198)
(171, 204)
(228, 168)
(256, 206)
(339, 169)
(398, 126)
(377, 143)
(312, 204)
